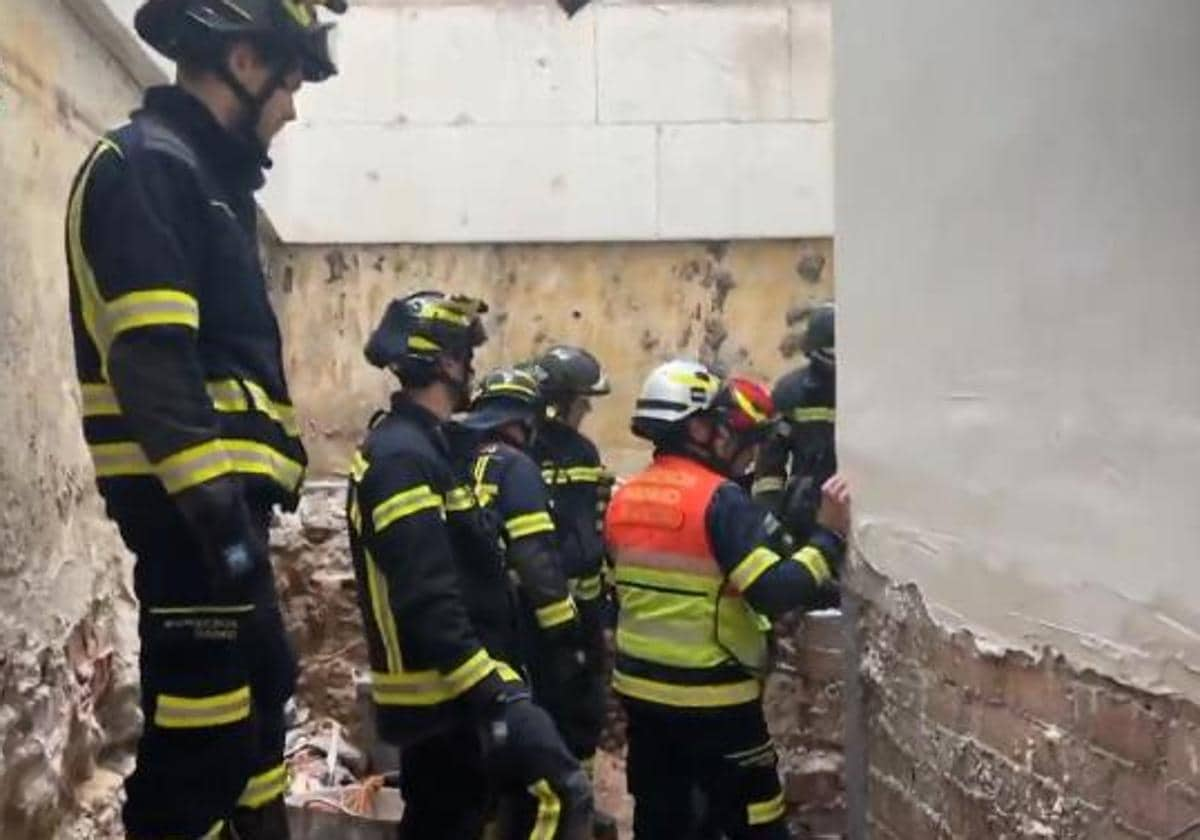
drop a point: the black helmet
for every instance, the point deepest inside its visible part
(417, 329)
(505, 395)
(568, 371)
(199, 29)
(818, 338)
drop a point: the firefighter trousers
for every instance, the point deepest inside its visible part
(700, 773)
(453, 791)
(214, 681)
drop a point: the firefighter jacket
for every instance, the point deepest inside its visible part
(698, 585)
(579, 487)
(793, 465)
(440, 616)
(177, 350)
(508, 485)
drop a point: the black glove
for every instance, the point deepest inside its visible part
(232, 550)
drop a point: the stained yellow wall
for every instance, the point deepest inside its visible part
(633, 305)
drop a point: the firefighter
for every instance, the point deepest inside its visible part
(699, 582)
(801, 455)
(506, 415)
(185, 404)
(437, 605)
(570, 377)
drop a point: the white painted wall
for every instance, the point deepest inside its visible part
(487, 121)
(1018, 200)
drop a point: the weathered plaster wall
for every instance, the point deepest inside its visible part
(64, 651)
(634, 304)
(1018, 204)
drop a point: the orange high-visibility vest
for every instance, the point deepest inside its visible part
(685, 636)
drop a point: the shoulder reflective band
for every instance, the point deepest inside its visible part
(528, 525)
(405, 503)
(173, 712)
(752, 567)
(460, 499)
(816, 414)
(813, 560)
(264, 787)
(552, 615)
(761, 813)
(549, 811)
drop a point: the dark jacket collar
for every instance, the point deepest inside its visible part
(235, 160)
(404, 407)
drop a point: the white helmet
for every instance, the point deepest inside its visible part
(673, 392)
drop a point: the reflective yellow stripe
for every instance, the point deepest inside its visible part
(426, 688)
(552, 615)
(91, 302)
(749, 407)
(767, 484)
(549, 810)
(529, 524)
(690, 696)
(381, 608)
(214, 832)
(405, 503)
(708, 384)
(573, 475)
(511, 387)
(227, 395)
(358, 466)
(416, 342)
(237, 609)
(586, 589)
(684, 583)
(299, 11)
(761, 813)
(99, 400)
(816, 414)
(154, 308)
(198, 464)
(460, 499)
(119, 459)
(752, 567)
(197, 712)
(813, 560)
(264, 788)
(355, 514)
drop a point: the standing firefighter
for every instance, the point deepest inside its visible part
(438, 609)
(186, 408)
(579, 486)
(507, 414)
(699, 582)
(797, 461)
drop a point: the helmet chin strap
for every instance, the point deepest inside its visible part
(252, 105)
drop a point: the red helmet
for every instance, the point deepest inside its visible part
(746, 406)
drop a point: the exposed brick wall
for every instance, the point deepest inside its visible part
(804, 708)
(968, 742)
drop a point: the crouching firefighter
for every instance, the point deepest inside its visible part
(185, 404)
(699, 580)
(438, 609)
(506, 415)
